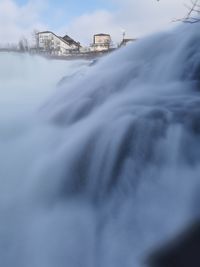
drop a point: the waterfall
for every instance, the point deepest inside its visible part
(103, 166)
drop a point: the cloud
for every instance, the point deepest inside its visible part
(84, 27)
(136, 17)
(17, 21)
(146, 16)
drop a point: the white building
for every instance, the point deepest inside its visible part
(101, 42)
(53, 44)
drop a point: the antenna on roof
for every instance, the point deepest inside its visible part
(123, 33)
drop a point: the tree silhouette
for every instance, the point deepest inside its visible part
(193, 14)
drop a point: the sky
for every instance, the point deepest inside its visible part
(81, 19)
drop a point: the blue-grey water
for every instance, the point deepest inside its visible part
(102, 167)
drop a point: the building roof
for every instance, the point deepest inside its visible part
(70, 41)
(45, 32)
(127, 40)
(66, 39)
(102, 34)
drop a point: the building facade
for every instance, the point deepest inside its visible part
(101, 42)
(51, 43)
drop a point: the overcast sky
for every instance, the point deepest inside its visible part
(83, 18)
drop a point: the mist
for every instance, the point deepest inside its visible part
(102, 166)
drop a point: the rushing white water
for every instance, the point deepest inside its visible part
(106, 167)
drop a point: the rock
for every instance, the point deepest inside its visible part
(183, 251)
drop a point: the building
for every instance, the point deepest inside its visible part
(101, 42)
(51, 43)
(126, 41)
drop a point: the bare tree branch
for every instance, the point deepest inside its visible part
(193, 14)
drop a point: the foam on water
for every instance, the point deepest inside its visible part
(108, 166)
